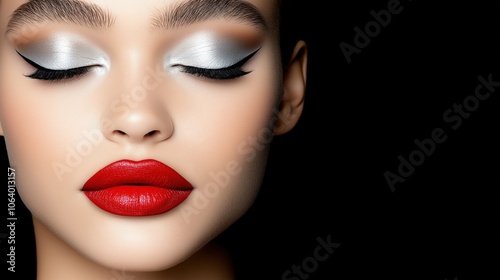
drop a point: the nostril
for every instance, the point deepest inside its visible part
(120, 132)
(152, 133)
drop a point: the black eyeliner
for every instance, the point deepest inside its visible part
(46, 74)
(227, 73)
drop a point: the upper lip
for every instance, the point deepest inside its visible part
(137, 173)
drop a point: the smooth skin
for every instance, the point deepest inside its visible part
(215, 133)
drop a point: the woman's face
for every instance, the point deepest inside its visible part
(99, 99)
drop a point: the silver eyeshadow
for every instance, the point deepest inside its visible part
(207, 50)
(65, 51)
(202, 50)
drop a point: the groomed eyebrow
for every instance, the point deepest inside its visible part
(93, 16)
(193, 11)
(67, 11)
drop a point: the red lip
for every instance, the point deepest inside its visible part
(137, 188)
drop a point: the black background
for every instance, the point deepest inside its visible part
(326, 177)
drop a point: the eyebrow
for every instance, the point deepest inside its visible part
(68, 11)
(93, 16)
(193, 11)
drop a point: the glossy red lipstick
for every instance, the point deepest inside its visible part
(137, 188)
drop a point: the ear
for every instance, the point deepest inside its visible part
(294, 86)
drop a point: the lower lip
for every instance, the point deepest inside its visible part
(137, 200)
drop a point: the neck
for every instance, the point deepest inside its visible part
(57, 260)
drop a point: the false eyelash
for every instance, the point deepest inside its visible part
(215, 74)
(46, 74)
(227, 73)
(57, 75)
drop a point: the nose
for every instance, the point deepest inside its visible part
(141, 121)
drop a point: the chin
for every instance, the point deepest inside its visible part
(147, 260)
(153, 243)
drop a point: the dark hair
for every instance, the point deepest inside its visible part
(291, 27)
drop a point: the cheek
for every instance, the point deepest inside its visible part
(41, 127)
(229, 146)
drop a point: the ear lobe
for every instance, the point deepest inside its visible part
(294, 86)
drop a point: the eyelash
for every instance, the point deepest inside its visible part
(228, 73)
(45, 74)
(215, 74)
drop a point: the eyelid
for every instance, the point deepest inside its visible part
(227, 73)
(206, 50)
(64, 51)
(40, 67)
(235, 65)
(50, 75)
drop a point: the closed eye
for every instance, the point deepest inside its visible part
(227, 73)
(42, 73)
